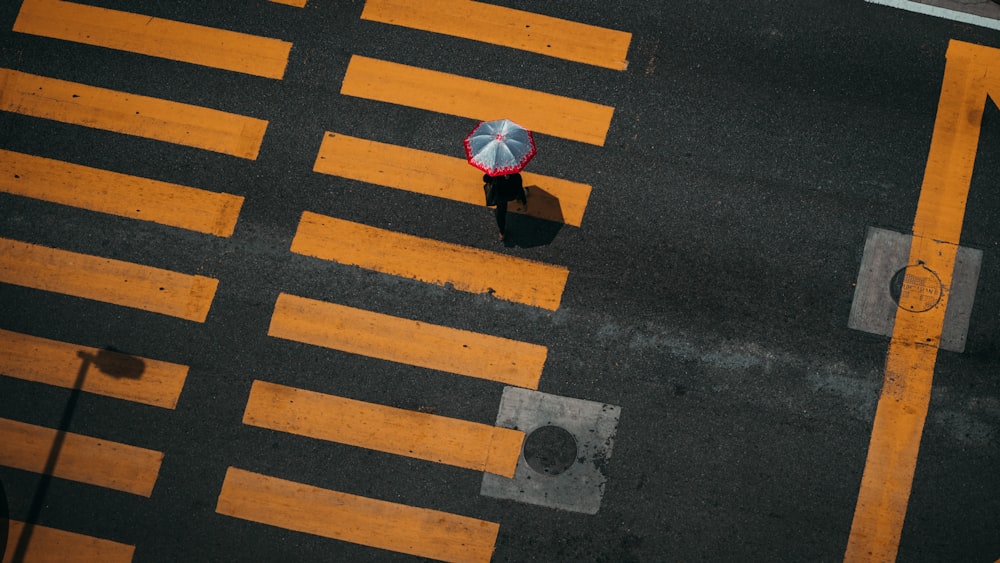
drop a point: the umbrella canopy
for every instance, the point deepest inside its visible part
(499, 147)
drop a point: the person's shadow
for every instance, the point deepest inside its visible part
(537, 225)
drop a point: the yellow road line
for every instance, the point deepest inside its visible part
(157, 37)
(103, 279)
(443, 176)
(350, 518)
(57, 363)
(81, 458)
(131, 114)
(465, 268)
(408, 342)
(295, 3)
(119, 194)
(431, 90)
(396, 431)
(902, 407)
(51, 544)
(507, 27)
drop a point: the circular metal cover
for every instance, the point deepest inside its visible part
(550, 450)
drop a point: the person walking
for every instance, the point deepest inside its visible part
(500, 190)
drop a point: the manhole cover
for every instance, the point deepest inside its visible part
(550, 450)
(915, 288)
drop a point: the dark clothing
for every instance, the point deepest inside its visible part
(506, 188)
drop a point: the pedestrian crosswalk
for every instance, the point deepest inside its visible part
(464, 268)
(443, 176)
(156, 37)
(441, 92)
(377, 523)
(85, 459)
(119, 194)
(380, 336)
(517, 29)
(112, 281)
(52, 362)
(51, 544)
(387, 429)
(131, 114)
(407, 341)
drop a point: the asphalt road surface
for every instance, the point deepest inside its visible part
(315, 364)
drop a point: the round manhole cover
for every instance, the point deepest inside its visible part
(550, 450)
(915, 288)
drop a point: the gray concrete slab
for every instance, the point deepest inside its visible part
(545, 482)
(884, 266)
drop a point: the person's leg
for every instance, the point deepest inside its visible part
(502, 217)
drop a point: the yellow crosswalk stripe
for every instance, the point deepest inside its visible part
(507, 27)
(441, 92)
(448, 177)
(464, 268)
(103, 279)
(119, 194)
(157, 37)
(131, 114)
(376, 427)
(405, 341)
(355, 519)
(51, 544)
(84, 459)
(117, 375)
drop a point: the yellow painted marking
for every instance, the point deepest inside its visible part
(156, 37)
(443, 176)
(103, 279)
(119, 194)
(51, 544)
(431, 90)
(396, 431)
(81, 458)
(467, 269)
(296, 3)
(507, 27)
(409, 342)
(58, 363)
(355, 519)
(902, 407)
(131, 114)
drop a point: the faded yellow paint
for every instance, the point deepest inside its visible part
(396, 431)
(507, 27)
(131, 114)
(157, 37)
(441, 92)
(464, 268)
(81, 458)
(51, 544)
(406, 341)
(58, 363)
(447, 177)
(902, 407)
(103, 279)
(119, 194)
(355, 519)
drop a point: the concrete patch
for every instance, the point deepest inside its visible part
(556, 482)
(884, 268)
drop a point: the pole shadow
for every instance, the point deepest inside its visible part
(108, 361)
(536, 225)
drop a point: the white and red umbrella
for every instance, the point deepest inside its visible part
(499, 147)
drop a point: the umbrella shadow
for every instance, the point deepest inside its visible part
(108, 361)
(538, 224)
